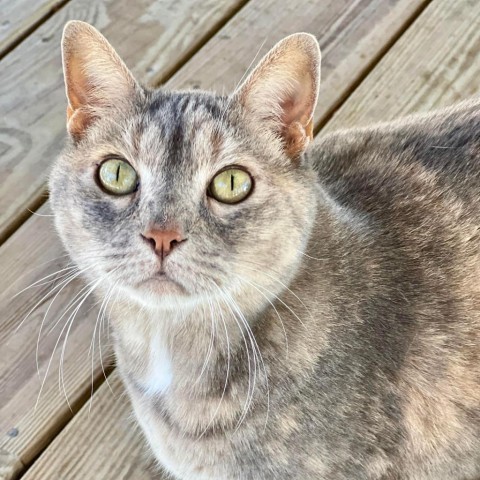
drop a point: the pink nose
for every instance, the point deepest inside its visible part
(163, 241)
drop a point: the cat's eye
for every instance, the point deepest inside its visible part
(117, 176)
(231, 185)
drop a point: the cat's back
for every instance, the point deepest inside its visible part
(413, 187)
(431, 154)
(414, 184)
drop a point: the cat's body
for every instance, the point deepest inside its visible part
(382, 380)
(326, 326)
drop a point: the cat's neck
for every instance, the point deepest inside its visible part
(160, 347)
(200, 347)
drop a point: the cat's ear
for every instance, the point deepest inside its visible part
(96, 79)
(282, 91)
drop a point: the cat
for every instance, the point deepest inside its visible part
(280, 310)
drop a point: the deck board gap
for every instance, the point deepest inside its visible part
(164, 78)
(76, 405)
(17, 40)
(370, 67)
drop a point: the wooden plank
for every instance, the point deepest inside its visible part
(19, 17)
(428, 68)
(153, 37)
(124, 454)
(437, 27)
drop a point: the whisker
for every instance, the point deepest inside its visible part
(210, 346)
(226, 376)
(286, 288)
(38, 283)
(255, 352)
(249, 67)
(71, 304)
(36, 267)
(68, 322)
(37, 349)
(92, 344)
(258, 356)
(282, 302)
(251, 384)
(234, 91)
(313, 258)
(37, 304)
(40, 214)
(273, 306)
(101, 329)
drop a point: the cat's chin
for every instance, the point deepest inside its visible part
(162, 285)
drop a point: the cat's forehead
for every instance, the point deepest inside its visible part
(183, 106)
(176, 129)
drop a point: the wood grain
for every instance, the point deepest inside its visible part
(107, 428)
(388, 91)
(18, 17)
(154, 37)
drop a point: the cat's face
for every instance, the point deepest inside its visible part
(243, 230)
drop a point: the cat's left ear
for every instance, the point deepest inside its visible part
(96, 79)
(281, 93)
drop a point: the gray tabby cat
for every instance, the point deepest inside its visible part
(279, 312)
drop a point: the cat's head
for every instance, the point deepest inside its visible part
(171, 196)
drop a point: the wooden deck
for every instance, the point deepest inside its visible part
(381, 59)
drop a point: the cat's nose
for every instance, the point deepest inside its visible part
(163, 241)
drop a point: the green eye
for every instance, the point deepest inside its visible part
(231, 185)
(117, 176)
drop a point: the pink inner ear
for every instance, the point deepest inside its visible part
(281, 92)
(297, 106)
(77, 84)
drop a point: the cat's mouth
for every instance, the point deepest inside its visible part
(162, 283)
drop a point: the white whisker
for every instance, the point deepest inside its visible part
(313, 258)
(286, 288)
(37, 348)
(39, 283)
(273, 306)
(101, 330)
(251, 383)
(68, 325)
(210, 346)
(92, 343)
(258, 356)
(40, 214)
(69, 320)
(226, 376)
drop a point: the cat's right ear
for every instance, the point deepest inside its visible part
(96, 79)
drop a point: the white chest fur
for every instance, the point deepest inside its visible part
(158, 376)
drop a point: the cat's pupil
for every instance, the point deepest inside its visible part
(232, 181)
(118, 172)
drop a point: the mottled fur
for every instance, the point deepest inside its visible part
(355, 267)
